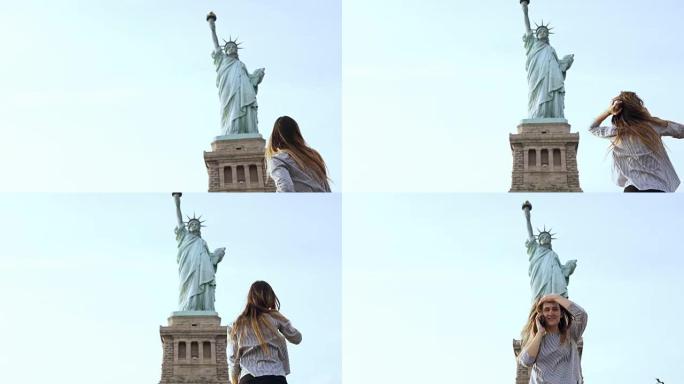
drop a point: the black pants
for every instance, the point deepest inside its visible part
(631, 188)
(249, 379)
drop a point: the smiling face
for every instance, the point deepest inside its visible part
(552, 314)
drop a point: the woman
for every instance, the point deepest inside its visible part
(549, 341)
(294, 166)
(258, 336)
(640, 162)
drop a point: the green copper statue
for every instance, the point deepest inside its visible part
(547, 274)
(237, 88)
(545, 73)
(196, 265)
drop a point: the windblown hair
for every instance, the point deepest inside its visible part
(286, 137)
(634, 120)
(261, 303)
(530, 328)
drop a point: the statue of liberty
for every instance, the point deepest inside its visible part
(545, 73)
(237, 88)
(547, 274)
(196, 265)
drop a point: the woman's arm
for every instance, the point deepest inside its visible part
(280, 175)
(234, 361)
(562, 301)
(596, 129)
(673, 129)
(530, 351)
(291, 333)
(599, 119)
(614, 109)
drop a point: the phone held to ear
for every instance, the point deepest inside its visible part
(542, 320)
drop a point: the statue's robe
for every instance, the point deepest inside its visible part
(196, 272)
(547, 274)
(237, 94)
(545, 78)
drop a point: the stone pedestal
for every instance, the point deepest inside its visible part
(236, 164)
(544, 157)
(522, 374)
(194, 346)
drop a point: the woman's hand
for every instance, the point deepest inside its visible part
(550, 298)
(540, 328)
(615, 107)
(554, 298)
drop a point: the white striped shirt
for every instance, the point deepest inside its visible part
(558, 363)
(249, 358)
(289, 177)
(635, 164)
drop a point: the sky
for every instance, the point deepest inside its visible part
(433, 88)
(413, 95)
(120, 96)
(440, 290)
(88, 279)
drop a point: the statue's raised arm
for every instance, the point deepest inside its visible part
(211, 19)
(524, 4)
(176, 199)
(527, 207)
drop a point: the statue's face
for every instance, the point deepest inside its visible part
(552, 314)
(542, 33)
(231, 49)
(193, 226)
(544, 239)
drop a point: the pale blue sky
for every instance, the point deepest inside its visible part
(121, 95)
(433, 88)
(436, 285)
(89, 278)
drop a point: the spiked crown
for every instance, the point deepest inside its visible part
(545, 232)
(231, 41)
(538, 27)
(195, 219)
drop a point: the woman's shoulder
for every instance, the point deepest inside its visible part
(282, 159)
(282, 156)
(276, 318)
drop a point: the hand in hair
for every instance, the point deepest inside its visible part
(615, 107)
(554, 298)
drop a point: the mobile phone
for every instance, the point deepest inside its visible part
(542, 320)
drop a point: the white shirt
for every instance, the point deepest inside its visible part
(289, 177)
(249, 358)
(635, 164)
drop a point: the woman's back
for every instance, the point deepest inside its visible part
(634, 163)
(250, 357)
(290, 177)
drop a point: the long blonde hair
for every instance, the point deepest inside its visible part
(530, 328)
(286, 137)
(633, 120)
(261, 302)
